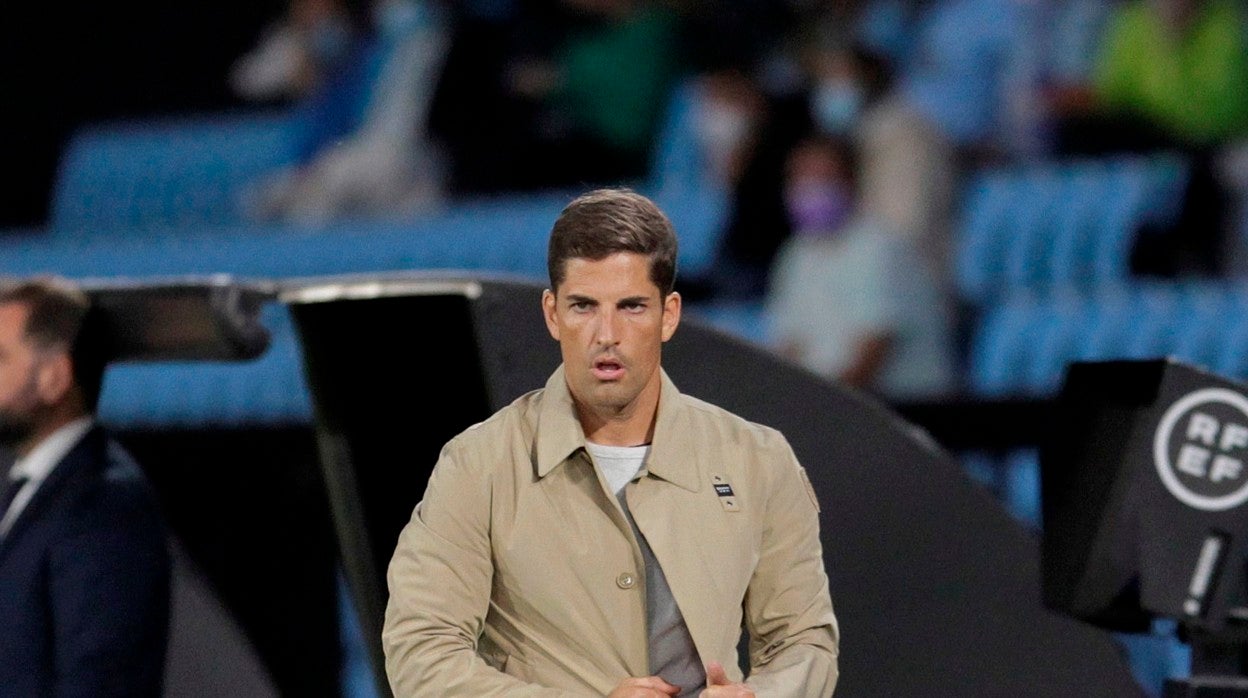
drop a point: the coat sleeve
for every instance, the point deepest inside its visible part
(794, 637)
(109, 595)
(440, 579)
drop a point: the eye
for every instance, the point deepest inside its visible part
(633, 307)
(580, 306)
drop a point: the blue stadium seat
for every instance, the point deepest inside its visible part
(1108, 324)
(979, 253)
(1085, 186)
(1206, 308)
(1231, 353)
(1001, 345)
(1037, 197)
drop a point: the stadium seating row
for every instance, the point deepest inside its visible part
(164, 177)
(1022, 345)
(161, 199)
(174, 177)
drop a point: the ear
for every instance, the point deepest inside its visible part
(671, 315)
(54, 378)
(550, 312)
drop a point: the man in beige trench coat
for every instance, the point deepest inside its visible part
(608, 535)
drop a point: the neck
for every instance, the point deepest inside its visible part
(632, 425)
(633, 429)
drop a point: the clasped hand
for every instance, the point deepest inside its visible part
(717, 686)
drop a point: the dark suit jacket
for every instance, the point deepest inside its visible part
(84, 582)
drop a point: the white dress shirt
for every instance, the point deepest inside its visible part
(40, 463)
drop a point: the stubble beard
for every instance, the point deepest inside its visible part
(611, 400)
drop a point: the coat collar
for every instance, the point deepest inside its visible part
(45, 456)
(88, 454)
(560, 434)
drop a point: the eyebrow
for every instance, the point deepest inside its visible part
(630, 300)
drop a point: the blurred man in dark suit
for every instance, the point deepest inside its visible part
(84, 568)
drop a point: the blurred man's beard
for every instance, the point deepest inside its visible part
(14, 429)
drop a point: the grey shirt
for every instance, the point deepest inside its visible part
(672, 653)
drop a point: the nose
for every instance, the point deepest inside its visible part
(607, 334)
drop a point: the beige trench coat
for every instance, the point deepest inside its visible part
(519, 575)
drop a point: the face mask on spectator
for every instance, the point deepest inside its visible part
(836, 104)
(818, 206)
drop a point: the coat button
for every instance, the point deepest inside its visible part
(626, 580)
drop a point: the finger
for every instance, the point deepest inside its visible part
(715, 674)
(653, 683)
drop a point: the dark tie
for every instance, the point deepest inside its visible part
(9, 494)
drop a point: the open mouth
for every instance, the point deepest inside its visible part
(607, 369)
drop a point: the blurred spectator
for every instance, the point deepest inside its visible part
(84, 568)
(608, 85)
(474, 114)
(728, 124)
(972, 91)
(851, 299)
(366, 150)
(907, 167)
(917, 134)
(1181, 66)
(1171, 76)
(753, 111)
(537, 97)
(745, 135)
(296, 53)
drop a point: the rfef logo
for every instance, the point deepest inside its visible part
(1201, 449)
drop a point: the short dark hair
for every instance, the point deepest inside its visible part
(61, 316)
(603, 222)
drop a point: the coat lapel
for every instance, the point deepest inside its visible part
(85, 455)
(672, 512)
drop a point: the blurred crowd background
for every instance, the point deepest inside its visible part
(937, 201)
(890, 170)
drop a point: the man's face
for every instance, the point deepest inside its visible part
(19, 367)
(611, 321)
